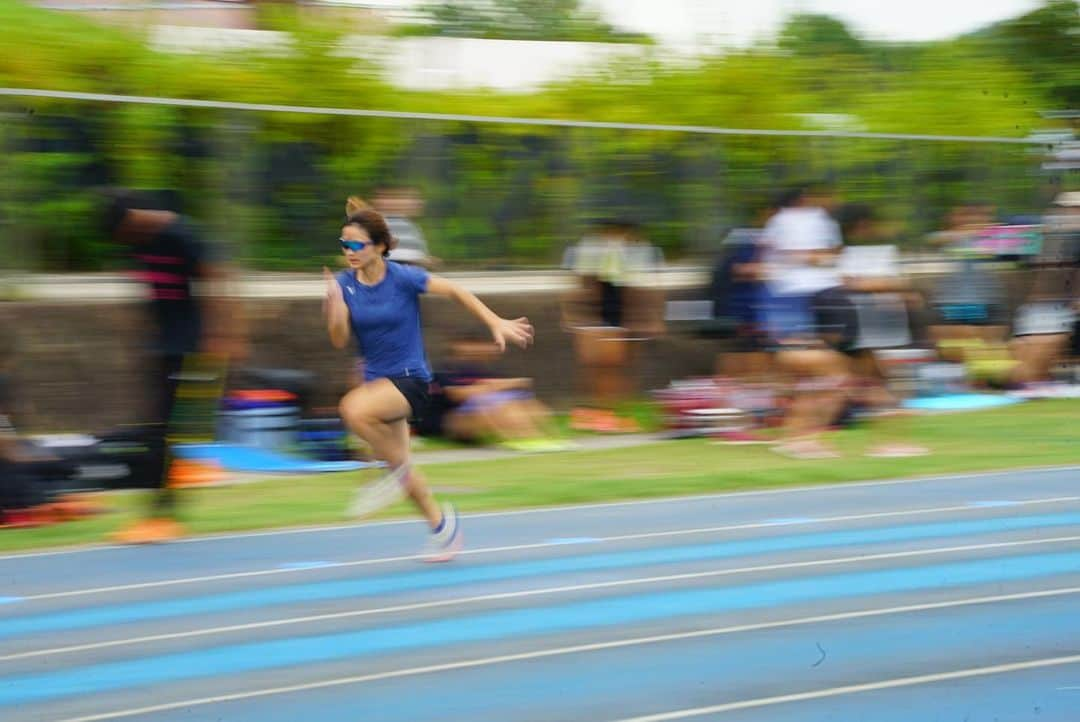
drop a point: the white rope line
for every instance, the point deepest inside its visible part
(499, 120)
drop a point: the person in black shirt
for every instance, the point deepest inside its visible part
(188, 331)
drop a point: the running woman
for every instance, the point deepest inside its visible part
(377, 301)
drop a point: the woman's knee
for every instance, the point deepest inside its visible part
(354, 412)
(377, 402)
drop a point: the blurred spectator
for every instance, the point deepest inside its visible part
(474, 404)
(969, 301)
(33, 481)
(7, 365)
(187, 330)
(617, 305)
(20, 496)
(803, 243)
(15, 495)
(1045, 329)
(963, 224)
(738, 293)
(881, 297)
(807, 317)
(400, 206)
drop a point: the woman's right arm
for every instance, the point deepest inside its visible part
(337, 313)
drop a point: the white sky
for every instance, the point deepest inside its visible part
(740, 22)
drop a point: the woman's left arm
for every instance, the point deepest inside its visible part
(517, 331)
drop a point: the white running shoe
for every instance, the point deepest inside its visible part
(385, 491)
(443, 545)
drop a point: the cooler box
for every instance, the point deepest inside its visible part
(267, 419)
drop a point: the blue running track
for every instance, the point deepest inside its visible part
(952, 599)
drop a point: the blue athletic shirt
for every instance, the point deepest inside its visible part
(385, 318)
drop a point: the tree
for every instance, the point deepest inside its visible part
(818, 35)
(1043, 43)
(519, 20)
(458, 19)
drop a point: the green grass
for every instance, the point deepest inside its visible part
(1042, 433)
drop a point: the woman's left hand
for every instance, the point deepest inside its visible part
(517, 331)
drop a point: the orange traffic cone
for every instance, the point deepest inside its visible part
(183, 473)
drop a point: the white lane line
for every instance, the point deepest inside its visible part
(523, 547)
(575, 507)
(539, 545)
(857, 688)
(575, 649)
(462, 601)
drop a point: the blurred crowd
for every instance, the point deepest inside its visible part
(814, 320)
(818, 323)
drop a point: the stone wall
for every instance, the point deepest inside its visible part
(76, 366)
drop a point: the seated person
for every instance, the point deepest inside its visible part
(1043, 326)
(30, 475)
(802, 242)
(881, 299)
(737, 291)
(471, 403)
(18, 495)
(969, 300)
(617, 305)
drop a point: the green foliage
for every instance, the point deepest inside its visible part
(457, 19)
(273, 184)
(518, 20)
(808, 35)
(1046, 44)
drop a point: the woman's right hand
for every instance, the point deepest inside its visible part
(333, 290)
(336, 311)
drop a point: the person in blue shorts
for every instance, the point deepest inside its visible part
(377, 301)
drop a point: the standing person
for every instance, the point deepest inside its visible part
(399, 207)
(187, 331)
(377, 301)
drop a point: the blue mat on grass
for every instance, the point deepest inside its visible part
(233, 457)
(960, 402)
